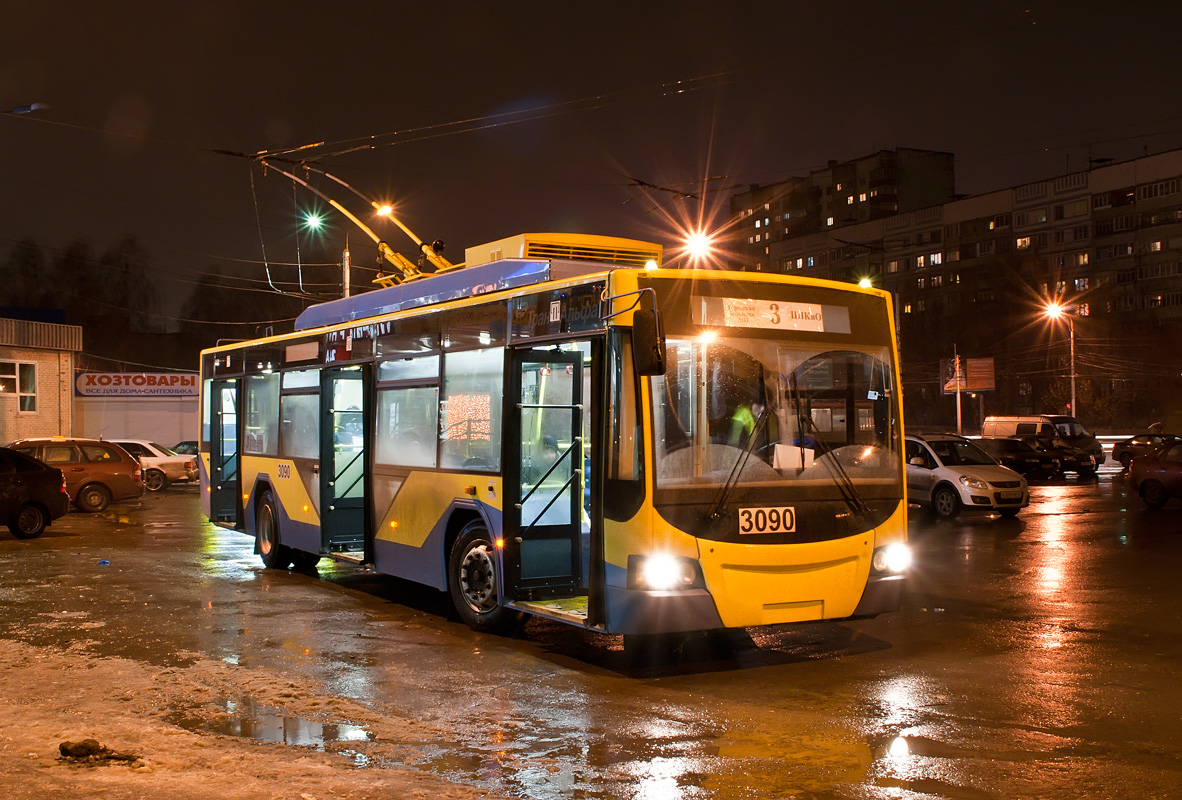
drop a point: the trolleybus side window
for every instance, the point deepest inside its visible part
(299, 413)
(625, 469)
(470, 412)
(261, 436)
(407, 421)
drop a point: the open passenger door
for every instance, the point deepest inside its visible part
(543, 510)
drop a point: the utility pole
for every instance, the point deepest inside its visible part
(345, 264)
(959, 385)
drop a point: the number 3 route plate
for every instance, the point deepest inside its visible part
(767, 520)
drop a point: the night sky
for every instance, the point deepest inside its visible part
(516, 117)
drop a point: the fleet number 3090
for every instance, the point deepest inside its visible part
(767, 520)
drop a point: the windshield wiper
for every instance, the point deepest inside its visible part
(740, 463)
(849, 493)
(841, 479)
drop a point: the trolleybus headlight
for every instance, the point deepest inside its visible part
(661, 573)
(892, 558)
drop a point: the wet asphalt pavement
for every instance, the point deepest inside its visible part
(1034, 657)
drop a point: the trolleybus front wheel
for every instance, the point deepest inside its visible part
(472, 581)
(275, 555)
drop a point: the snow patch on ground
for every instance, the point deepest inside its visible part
(53, 695)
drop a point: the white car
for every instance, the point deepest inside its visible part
(160, 465)
(948, 473)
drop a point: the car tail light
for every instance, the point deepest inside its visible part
(64, 484)
(135, 473)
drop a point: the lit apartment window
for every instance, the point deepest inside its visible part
(799, 263)
(829, 221)
(937, 281)
(750, 240)
(1023, 243)
(936, 258)
(1082, 309)
(906, 308)
(20, 380)
(921, 262)
(919, 283)
(1081, 259)
(809, 261)
(862, 197)
(893, 266)
(839, 187)
(1081, 284)
(758, 237)
(1154, 247)
(787, 215)
(757, 223)
(874, 193)
(849, 201)
(766, 206)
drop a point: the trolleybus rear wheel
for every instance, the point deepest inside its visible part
(275, 555)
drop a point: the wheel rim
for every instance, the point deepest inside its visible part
(30, 520)
(154, 481)
(93, 498)
(478, 583)
(1154, 493)
(266, 529)
(945, 502)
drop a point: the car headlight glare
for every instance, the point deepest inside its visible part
(892, 558)
(663, 573)
(973, 483)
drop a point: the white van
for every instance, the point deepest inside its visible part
(1044, 426)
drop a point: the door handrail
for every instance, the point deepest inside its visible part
(546, 474)
(343, 471)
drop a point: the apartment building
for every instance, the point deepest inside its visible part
(974, 276)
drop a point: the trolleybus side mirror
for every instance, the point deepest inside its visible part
(648, 342)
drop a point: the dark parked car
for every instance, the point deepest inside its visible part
(1012, 452)
(186, 448)
(1071, 458)
(1140, 445)
(1158, 477)
(32, 494)
(96, 472)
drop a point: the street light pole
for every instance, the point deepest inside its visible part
(1058, 310)
(1071, 337)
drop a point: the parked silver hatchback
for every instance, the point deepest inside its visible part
(948, 473)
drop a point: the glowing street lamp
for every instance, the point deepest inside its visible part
(1055, 311)
(699, 246)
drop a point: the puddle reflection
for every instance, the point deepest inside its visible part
(251, 721)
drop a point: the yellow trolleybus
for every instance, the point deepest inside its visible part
(569, 434)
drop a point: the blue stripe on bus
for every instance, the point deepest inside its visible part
(507, 273)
